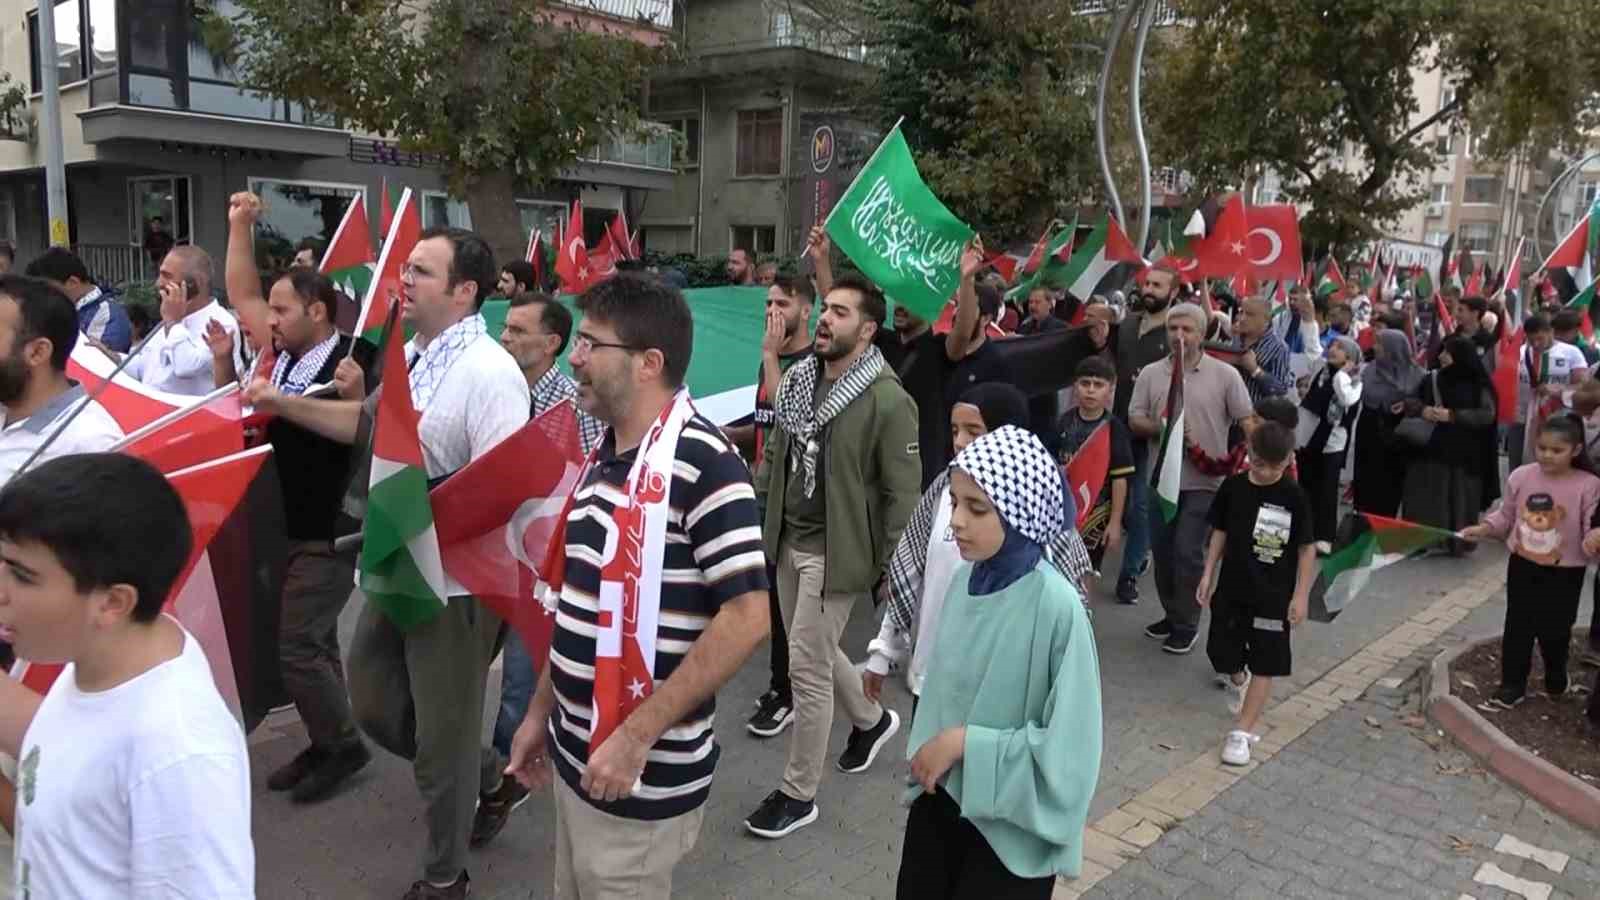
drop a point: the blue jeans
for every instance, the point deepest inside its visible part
(1136, 517)
(517, 682)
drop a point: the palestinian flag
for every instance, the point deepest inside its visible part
(401, 571)
(1047, 264)
(349, 260)
(1372, 543)
(386, 207)
(1102, 251)
(1168, 474)
(1584, 304)
(1421, 284)
(384, 289)
(1174, 247)
(210, 428)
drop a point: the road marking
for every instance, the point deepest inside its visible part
(1554, 860)
(1493, 875)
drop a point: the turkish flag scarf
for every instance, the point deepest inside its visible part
(630, 574)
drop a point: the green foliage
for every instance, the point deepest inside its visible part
(493, 87)
(1264, 83)
(998, 97)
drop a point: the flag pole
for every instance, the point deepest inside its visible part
(169, 418)
(93, 396)
(864, 168)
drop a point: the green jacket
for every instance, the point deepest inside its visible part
(871, 479)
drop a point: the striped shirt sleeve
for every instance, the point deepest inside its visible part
(719, 516)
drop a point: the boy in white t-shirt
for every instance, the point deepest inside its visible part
(132, 777)
(1546, 370)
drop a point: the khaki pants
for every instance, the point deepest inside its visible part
(419, 695)
(604, 857)
(819, 671)
(316, 585)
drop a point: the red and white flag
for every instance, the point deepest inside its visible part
(1226, 248)
(495, 520)
(573, 266)
(210, 428)
(130, 402)
(1274, 242)
(1086, 472)
(398, 242)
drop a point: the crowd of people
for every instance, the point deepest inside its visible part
(885, 463)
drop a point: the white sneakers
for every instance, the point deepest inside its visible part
(1236, 747)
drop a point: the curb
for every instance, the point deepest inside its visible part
(1573, 798)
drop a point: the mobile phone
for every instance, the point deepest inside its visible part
(191, 288)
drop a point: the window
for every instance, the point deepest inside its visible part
(544, 215)
(1436, 238)
(440, 209)
(159, 214)
(156, 36)
(688, 131)
(1481, 189)
(1478, 236)
(1439, 193)
(760, 143)
(757, 239)
(69, 43)
(296, 210)
(102, 31)
(1587, 192)
(666, 239)
(1444, 144)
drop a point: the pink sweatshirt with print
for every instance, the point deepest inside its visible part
(1544, 519)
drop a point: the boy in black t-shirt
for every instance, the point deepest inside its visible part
(1092, 384)
(1262, 535)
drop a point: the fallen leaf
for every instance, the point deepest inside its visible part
(1168, 746)
(1372, 721)
(1374, 737)
(1458, 844)
(1488, 707)
(1413, 721)
(1445, 769)
(1432, 740)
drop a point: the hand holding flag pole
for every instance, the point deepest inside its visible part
(93, 396)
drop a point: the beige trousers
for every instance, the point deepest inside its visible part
(819, 672)
(604, 857)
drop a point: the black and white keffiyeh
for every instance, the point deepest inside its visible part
(296, 378)
(1021, 479)
(437, 358)
(801, 417)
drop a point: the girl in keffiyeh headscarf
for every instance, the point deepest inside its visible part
(1387, 383)
(1006, 741)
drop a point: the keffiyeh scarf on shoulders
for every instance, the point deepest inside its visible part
(801, 417)
(428, 372)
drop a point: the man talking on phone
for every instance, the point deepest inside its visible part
(178, 359)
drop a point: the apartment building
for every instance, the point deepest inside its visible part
(157, 132)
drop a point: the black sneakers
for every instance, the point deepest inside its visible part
(863, 746)
(320, 783)
(494, 809)
(780, 815)
(1179, 642)
(295, 771)
(1127, 591)
(1507, 697)
(1159, 630)
(422, 890)
(773, 715)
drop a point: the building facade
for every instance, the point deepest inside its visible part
(158, 132)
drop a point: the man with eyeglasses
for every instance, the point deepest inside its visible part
(418, 693)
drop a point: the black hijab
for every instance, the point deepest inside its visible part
(1462, 383)
(999, 402)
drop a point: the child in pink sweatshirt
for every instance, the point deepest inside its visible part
(1544, 519)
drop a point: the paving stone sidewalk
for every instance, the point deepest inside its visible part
(1362, 806)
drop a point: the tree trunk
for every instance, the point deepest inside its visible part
(491, 197)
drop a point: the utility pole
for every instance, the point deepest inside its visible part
(55, 170)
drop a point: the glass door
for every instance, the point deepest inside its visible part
(158, 217)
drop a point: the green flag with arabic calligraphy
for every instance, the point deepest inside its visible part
(898, 233)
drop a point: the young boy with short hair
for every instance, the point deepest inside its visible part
(1092, 385)
(133, 778)
(1263, 538)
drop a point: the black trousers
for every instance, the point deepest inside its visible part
(780, 641)
(1541, 605)
(1319, 475)
(946, 858)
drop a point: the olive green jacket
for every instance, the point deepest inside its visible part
(871, 480)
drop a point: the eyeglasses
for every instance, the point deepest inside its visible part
(585, 344)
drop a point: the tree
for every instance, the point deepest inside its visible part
(998, 100)
(1252, 84)
(507, 93)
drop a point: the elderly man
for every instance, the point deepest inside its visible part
(1214, 399)
(1265, 360)
(178, 358)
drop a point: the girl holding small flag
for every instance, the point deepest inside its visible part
(1006, 742)
(1548, 507)
(1327, 415)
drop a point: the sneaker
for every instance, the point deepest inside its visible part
(1127, 591)
(1236, 693)
(769, 697)
(1236, 748)
(1222, 681)
(780, 815)
(1180, 642)
(332, 772)
(495, 809)
(863, 746)
(424, 890)
(1506, 697)
(1324, 548)
(295, 771)
(1159, 630)
(1557, 693)
(771, 718)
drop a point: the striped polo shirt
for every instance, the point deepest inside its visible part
(713, 555)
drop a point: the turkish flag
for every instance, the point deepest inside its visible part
(210, 428)
(1505, 378)
(128, 401)
(572, 263)
(496, 519)
(1086, 473)
(1274, 242)
(947, 320)
(1226, 249)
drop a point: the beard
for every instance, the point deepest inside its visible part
(14, 376)
(837, 349)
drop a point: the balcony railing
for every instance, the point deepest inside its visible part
(651, 151)
(116, 264)
(656, 12)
